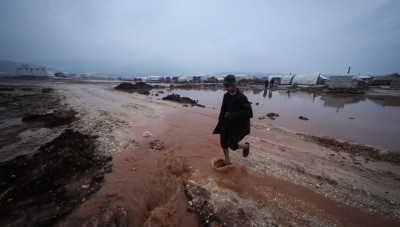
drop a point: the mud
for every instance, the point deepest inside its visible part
(25, 110)
(139, 87)
(368, 153)
(288, 179)
(60, 116)
(185, 100)
(38, 190)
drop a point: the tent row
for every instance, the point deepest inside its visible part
(300, 79)
(341, 81)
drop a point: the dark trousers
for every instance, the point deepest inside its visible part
(228, 137)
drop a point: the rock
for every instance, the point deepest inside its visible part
(147, 134)
(272, 116)
(261, 118)
(157, 145)
(303, 118)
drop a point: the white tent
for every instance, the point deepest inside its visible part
(270, 77)
(184, 79)
(306, 79)
(286, 79)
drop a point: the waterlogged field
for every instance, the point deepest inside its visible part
(355, 118)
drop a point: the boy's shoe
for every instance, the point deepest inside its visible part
(246, 151)
(222, 164)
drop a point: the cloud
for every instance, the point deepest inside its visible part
(203, 36)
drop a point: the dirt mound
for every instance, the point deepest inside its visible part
(272, 116)
(60, 116)
(129, 87)
(185, 100)
(38, 190)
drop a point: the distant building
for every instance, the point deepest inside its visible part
(156, 79)
(25, 70)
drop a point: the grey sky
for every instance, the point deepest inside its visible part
(204, 36)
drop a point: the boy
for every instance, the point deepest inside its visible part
(234, 120)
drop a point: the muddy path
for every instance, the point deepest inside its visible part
(287, 180)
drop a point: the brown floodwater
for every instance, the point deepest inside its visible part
(148, 183)
(351, 117)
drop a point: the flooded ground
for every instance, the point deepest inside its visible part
(288, 179)
(367, 120)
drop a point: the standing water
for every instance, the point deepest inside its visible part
(351, 117)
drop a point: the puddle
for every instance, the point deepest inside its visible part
(355, 118)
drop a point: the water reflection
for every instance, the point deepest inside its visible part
(340, 101)
(269, 91)
(350, 117)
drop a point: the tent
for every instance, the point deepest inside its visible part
(385, 80)
(306, 79)
(340, 82)
(286, 79)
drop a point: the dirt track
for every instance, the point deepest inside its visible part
(287, 180)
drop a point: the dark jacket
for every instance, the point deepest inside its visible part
(239, 115)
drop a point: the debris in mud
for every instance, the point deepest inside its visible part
(221, 207)
(261, 118)
(115, 216)
(47, 90)
(357, 149)
(303, 118)
(157, 145)
(177, 98)
(60, 116)
(38, 190)
(272, 116)
(139, 87)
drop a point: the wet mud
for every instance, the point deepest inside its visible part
(184, 100)
(46, 170)
(40, 189)
(166, 179)
(139, 87)
(368, 153)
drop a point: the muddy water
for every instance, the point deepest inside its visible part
(364, 120)
(148, 183)
(198, 146)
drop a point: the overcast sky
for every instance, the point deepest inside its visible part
(203, 36)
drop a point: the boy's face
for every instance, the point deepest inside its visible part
(230, 89)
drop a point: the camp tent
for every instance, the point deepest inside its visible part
(306, 79)
(385, 80)
(340, 81)
(286, 79)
